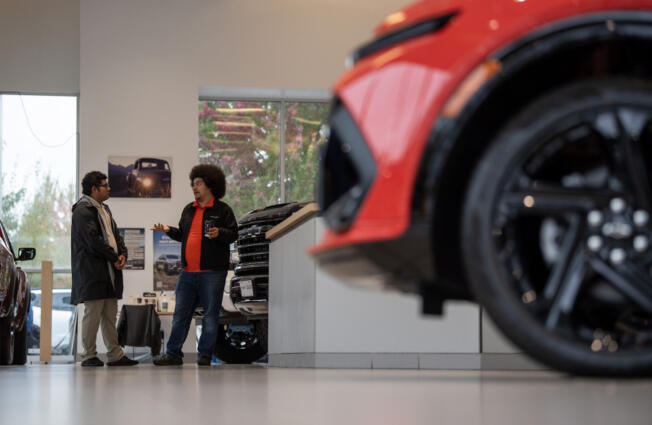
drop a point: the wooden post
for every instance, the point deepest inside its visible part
(46, 312)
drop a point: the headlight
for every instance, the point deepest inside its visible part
(147, 182)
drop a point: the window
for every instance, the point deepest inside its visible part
(243, 139)
(38, 181)
(304, 133)
(268, 149)
(159, 165)
(38, 176)
(63, 316)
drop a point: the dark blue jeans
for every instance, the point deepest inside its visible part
(193, 289)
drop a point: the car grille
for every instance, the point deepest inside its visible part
(346, 170)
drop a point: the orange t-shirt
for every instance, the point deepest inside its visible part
(193, 243)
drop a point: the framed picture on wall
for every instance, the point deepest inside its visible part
(140, 176)
(134, 239)
(167, 262)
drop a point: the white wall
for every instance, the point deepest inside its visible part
(142, 63)
(39, 46)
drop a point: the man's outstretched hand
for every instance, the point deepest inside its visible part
(161, 227)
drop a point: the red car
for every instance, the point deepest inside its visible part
(14, 302)
(499, 151)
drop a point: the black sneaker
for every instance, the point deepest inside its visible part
(123, 361)
(93, 361)
(166, 360)
(204, 361)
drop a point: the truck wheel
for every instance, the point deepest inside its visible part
(6, 341)
(556, 229)
(242, 344)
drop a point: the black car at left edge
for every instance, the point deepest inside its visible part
(14, 302)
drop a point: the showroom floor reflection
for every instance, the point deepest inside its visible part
(58, 394)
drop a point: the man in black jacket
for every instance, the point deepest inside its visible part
(98, 257)
(206, 229)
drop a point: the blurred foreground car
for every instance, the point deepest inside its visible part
(14, 302)
(150, 177)
(500, 151)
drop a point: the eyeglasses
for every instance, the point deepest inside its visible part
(197, 183)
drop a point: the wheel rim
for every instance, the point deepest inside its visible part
(571, 228)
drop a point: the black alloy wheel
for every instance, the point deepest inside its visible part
(556, 230)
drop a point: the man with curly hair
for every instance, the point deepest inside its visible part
(206, 229)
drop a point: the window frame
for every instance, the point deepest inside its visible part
(259, 94)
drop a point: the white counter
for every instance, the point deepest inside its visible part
(318, 321)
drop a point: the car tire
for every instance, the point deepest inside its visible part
(7, 340)
(20, 346)
(564, 300)
(240, 347)
(20, 337)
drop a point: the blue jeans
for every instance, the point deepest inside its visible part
(193, 289)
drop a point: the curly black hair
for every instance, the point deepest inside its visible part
(213, 178)
(90, 180)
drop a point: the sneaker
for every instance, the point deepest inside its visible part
(166, 360)
(123, 361)
(93, 361)
(204, 361)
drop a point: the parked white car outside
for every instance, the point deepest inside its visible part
(62, 321)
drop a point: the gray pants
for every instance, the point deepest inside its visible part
(101, 312)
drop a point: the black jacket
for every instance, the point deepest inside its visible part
(214, 252)
(91, 256)
(140, 326)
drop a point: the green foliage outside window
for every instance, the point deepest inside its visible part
(304, 133)
(243, 138)
(41, 221)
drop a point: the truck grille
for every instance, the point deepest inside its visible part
(253, 249)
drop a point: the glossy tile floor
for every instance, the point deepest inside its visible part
(239, 395)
